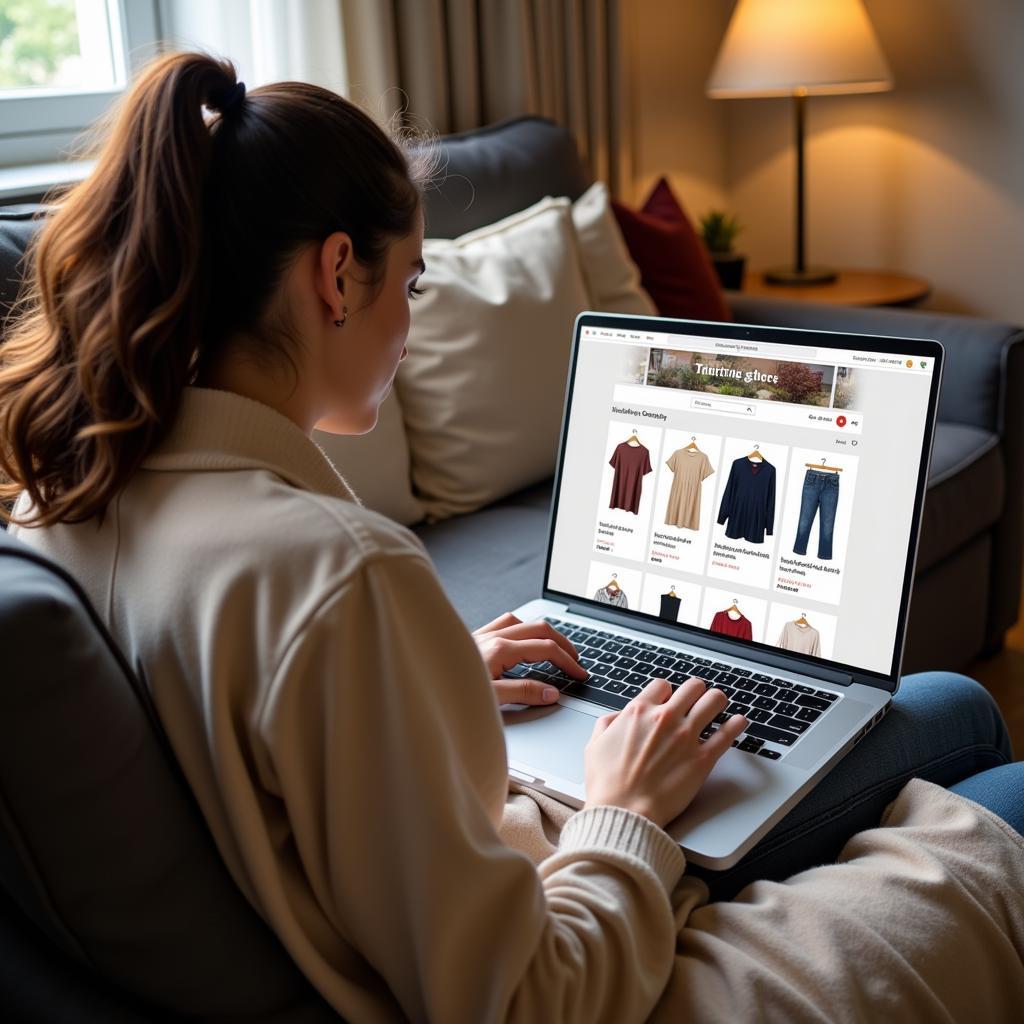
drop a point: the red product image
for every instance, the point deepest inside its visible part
(631, 462)
(724, 623)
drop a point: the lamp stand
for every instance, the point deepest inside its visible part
(800, 273)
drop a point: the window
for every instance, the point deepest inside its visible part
(62, 63)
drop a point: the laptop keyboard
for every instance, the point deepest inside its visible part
(779, 712)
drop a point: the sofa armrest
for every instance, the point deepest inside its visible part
(17, 226)
(984, 358)
(982, 386)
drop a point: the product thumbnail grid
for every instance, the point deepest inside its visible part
(730, 533)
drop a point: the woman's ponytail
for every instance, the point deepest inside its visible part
(121, 309)
(95, 368)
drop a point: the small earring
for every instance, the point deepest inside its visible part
(344, 317)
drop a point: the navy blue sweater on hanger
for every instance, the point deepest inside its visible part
(749, 501)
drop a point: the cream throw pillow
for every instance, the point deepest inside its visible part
(613, 279)
(498, 310)
(482, 387)
(376, 465)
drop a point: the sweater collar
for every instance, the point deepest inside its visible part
(220, 430)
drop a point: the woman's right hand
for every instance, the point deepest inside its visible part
(648, 757)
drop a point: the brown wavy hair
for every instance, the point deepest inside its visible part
(176, 242)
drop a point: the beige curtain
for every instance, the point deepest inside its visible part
(459, 64)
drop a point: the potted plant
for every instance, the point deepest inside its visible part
(718, 230)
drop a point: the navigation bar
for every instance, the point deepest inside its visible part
(762, 349)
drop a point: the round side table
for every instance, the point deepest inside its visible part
(850, 288)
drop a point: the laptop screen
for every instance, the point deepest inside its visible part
(757, 484)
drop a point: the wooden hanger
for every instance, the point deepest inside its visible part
(814, 465)
(672, 591)
(612, 584)
(692, 446)
(633, 437)
(755, 454)
(802, 621)
(733, 607)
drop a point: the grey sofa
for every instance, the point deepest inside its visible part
(114, 905)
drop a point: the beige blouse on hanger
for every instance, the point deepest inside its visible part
(690, 467)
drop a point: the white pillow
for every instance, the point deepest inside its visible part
(376, 465)
(613, 280)
(482, 387)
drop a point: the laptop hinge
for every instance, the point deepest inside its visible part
(776, 661)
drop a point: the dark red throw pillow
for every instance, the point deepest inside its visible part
(675, 268)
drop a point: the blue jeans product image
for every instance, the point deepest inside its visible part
(820, 496)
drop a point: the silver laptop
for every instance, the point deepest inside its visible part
(742, 504)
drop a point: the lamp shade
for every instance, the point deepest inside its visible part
(783, 47)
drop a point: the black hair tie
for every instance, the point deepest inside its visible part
(230, 99)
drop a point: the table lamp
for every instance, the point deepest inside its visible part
(798, 48)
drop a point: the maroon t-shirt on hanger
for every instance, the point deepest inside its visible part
(631, 464)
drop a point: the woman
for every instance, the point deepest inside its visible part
(210, 294)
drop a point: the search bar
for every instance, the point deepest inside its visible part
(760, 349)
(739, 408)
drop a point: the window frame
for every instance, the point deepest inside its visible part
(42, 128)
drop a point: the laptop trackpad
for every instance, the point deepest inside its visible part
(549, 736)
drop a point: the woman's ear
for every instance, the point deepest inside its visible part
(334, 269)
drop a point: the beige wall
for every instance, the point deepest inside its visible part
(672, 127)
(928, 178)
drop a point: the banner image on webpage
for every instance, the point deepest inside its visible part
(845, 393)
(765, 380)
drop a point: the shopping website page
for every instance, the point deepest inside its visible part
(755, 489)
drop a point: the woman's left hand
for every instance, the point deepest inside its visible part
(507, 641)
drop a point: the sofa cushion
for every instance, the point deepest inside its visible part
(492, 172)
(17, 226)
(675, 268)
(101, 843)
(966, 490)
(482, 387)
(38, 982)
(613, 279)
(492, 560)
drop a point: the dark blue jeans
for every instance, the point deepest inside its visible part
(942, 727)
(820, 494)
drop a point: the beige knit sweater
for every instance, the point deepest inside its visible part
(338, 726)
